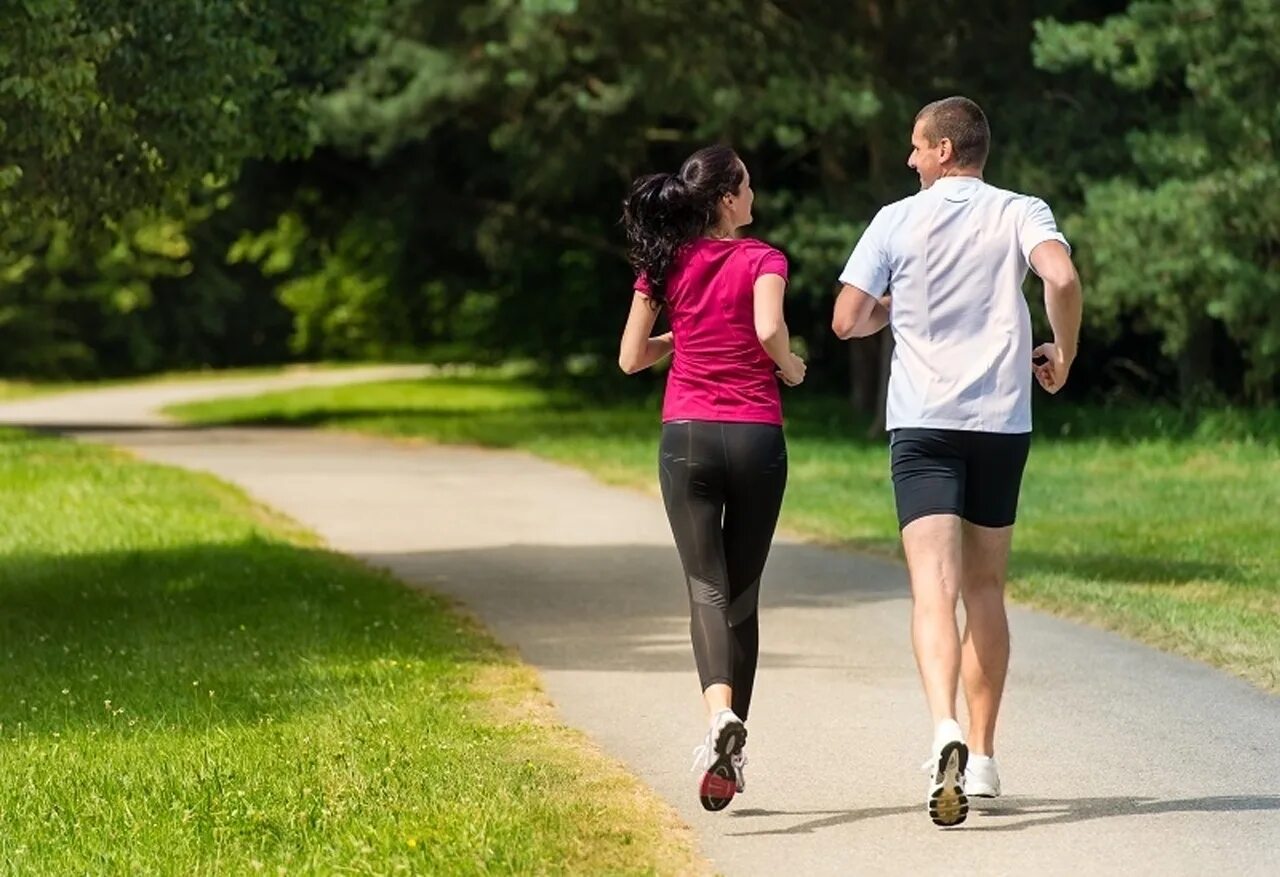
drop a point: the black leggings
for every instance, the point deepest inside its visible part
(722, 484)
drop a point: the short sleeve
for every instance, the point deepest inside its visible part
(1037, 227)
(868, 267)
(641, 285)
(772, 262)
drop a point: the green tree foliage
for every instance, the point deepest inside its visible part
(57, 290)
(501, 137)
(109, 105)
(1185, 234)
(471, 159)
(116, 121)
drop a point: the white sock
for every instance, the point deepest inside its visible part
(717, 719)
(947, 731)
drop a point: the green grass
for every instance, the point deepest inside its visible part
(20, 389)
(10, 390)
(191, 686)
(1147, 521)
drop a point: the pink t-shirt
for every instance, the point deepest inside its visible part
(719, 371)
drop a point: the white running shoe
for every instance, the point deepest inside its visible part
(947, 804)
(725, 739)
(739, 762)
(981, 779)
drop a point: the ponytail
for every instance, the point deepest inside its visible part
(664, 212)
(659, 220)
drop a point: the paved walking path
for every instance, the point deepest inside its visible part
(1116, 759)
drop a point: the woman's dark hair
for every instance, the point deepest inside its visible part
(663, 212)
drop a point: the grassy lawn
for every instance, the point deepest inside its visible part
(192, 687)
(1145, 521)
(11, 390)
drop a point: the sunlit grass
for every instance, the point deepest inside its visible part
(190, 686)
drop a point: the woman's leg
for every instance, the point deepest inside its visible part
(757, 479)
(691, 471)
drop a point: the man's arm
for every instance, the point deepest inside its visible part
(1064, 305)
(862, 308)
(858, 313)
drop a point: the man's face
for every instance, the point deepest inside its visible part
(925, 159)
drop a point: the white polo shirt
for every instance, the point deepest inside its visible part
(953, 258)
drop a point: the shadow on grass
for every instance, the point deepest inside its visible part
(270, 628)
(1122, 569)
(275, 630)
(809, 416)
(65, 427)
(1117, 569)
(501, 428)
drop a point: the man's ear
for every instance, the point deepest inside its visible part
(945, 150)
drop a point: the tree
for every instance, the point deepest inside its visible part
(1186, 235)
(111, 106)
(117, 123)
(505, 134)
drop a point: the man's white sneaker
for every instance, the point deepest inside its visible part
(981, 779)
(725, 739)
(947, 803)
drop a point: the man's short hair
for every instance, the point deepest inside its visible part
(961, 121)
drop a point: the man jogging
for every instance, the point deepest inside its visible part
(952, 258)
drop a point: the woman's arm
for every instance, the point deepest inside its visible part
(637, 351)
(771, 327)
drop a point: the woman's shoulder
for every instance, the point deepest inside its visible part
(757, 245)
(756, 250)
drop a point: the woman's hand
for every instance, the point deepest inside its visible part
(792, 370)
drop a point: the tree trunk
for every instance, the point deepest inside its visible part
(1195, 365)
(864, 367)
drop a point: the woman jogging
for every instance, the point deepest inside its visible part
(722, 457)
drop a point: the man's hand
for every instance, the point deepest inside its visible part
(1051, 366)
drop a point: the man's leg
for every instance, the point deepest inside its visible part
(995, 465)
(985, 651)
(932, 545)
(929, 479)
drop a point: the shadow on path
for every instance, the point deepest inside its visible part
(1040, 812)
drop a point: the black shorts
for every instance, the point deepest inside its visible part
(976, 475)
